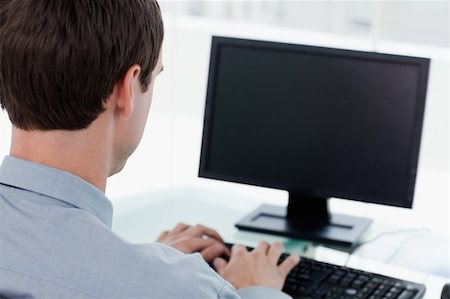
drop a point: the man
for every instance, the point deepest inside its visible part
(76, 78)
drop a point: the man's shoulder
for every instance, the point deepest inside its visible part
(70, 249)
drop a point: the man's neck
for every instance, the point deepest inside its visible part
(83, 153)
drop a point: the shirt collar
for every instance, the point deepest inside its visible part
(57, 184)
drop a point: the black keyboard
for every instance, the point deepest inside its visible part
(311, 279)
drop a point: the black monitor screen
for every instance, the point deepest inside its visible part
(318, 121)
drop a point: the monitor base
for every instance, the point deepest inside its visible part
(341, 230)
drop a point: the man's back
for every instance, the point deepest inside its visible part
(77, 79)
(55, 241)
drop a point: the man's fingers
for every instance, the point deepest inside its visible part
(274, 252)
(180, 227)
(200, 231)
(288, 264)
(238, 249)
(227, 253)
(197, 244)
(262, 248)
(162, 235)
(212, 252)
(219, 264)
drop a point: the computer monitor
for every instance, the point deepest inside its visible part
(318, 122)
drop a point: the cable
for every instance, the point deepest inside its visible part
(399, 248)
(355, 247)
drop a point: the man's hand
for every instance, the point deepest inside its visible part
(198, 238)
(256, 268)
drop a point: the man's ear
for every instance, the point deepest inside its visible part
(126, 91)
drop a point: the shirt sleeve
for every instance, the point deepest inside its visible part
(217, 286)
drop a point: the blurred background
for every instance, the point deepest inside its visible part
(421, 22)
(170, 149)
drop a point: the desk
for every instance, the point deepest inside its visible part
(141, 218)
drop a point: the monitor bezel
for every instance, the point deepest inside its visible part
(423, 63)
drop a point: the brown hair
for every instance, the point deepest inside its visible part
(60, 60)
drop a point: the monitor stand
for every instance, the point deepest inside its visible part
(306, 218)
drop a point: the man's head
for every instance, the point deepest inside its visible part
(62, 61)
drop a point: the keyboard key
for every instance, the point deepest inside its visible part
(389, 295)
(334, 279)
(407, 294)
(363, 278)
(345, 282)
(351, 291)
(376, 280)
(357, 284)
(372, 285)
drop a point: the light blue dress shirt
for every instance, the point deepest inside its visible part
(56, 242)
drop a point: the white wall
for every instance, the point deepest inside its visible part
(422, 22)
(5, 133)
